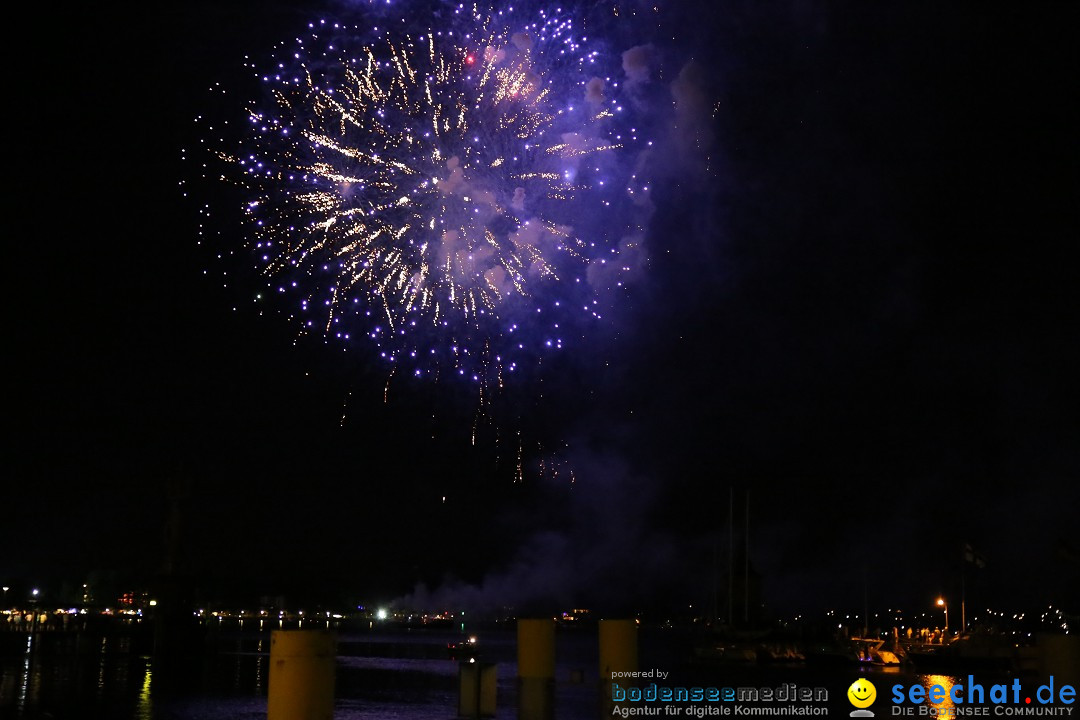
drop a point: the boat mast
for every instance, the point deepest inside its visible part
(731, 559)
(746, 564)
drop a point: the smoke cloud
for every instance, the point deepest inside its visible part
(607, 554)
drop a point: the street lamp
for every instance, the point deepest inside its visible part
(941, 603)
(33, 601)
(6, 588)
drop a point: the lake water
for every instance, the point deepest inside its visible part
(387, 675)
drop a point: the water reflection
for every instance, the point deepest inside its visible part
(62, 674)
(101, 666)
(144, 709)
(259, 667)
(24, 686)
(945, 707)
(379, 676)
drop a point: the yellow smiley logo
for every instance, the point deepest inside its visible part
(862, 693)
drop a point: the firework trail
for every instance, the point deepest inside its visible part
(459, 198)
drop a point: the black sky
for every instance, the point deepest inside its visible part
(866, 316)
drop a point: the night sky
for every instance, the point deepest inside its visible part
(865, 315)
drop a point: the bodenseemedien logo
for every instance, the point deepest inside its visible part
(678, 701)
(862, 694)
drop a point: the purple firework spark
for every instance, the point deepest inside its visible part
(456, 197)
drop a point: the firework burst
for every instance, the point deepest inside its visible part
(444, 195)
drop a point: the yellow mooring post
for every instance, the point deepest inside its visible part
(301, 675)
(1059, 657)
(477, 689)
(618, 654)
(536, 669)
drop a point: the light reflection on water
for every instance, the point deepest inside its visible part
(144, 710)
(101, 667)
(24, 686)
(946, 707)
(391, 676)
(259, 666)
